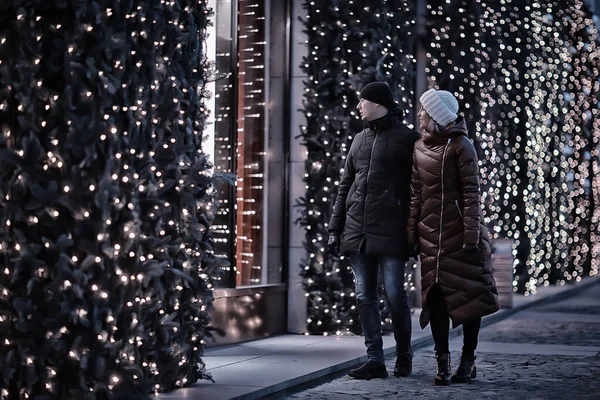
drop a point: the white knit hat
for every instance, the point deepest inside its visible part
(441, 105)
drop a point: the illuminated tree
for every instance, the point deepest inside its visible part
(105, 198)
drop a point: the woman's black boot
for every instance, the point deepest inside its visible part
(466, 370)
(443, 374)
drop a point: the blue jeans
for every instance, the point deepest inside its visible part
(365, 268)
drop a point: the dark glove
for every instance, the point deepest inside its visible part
(470, 248)
(334, 243)
(413, 250)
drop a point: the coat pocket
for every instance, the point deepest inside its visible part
(458, 209)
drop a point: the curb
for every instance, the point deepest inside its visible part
(314, 378)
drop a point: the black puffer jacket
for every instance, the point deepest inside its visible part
(374, 193)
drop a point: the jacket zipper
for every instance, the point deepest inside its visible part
(367, 186)
(437, 268)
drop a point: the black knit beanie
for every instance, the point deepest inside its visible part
(378, 92)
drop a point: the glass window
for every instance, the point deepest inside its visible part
(238, 136)
(220, 129)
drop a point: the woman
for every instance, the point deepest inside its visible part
(445, 228)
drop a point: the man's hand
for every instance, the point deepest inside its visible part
(413, 250)
(470, 248)
(334, 243)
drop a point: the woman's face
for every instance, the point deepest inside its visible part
(424, 119)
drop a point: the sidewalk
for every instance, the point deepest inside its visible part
(260, 368)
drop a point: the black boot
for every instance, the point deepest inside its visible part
(369, 370)
(403, 365)
(443, 374)
(466, 370)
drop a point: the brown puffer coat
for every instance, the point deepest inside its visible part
(445, 214)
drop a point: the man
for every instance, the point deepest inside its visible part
(369, 224)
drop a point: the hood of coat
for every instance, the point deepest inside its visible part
(434, 134)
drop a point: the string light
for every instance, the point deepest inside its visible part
(250, 143)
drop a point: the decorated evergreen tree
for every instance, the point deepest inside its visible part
(350, 44)
(105, 198)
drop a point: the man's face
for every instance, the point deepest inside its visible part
(367, 109)
(424, 119)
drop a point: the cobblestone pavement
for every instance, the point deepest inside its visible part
(547, 352)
